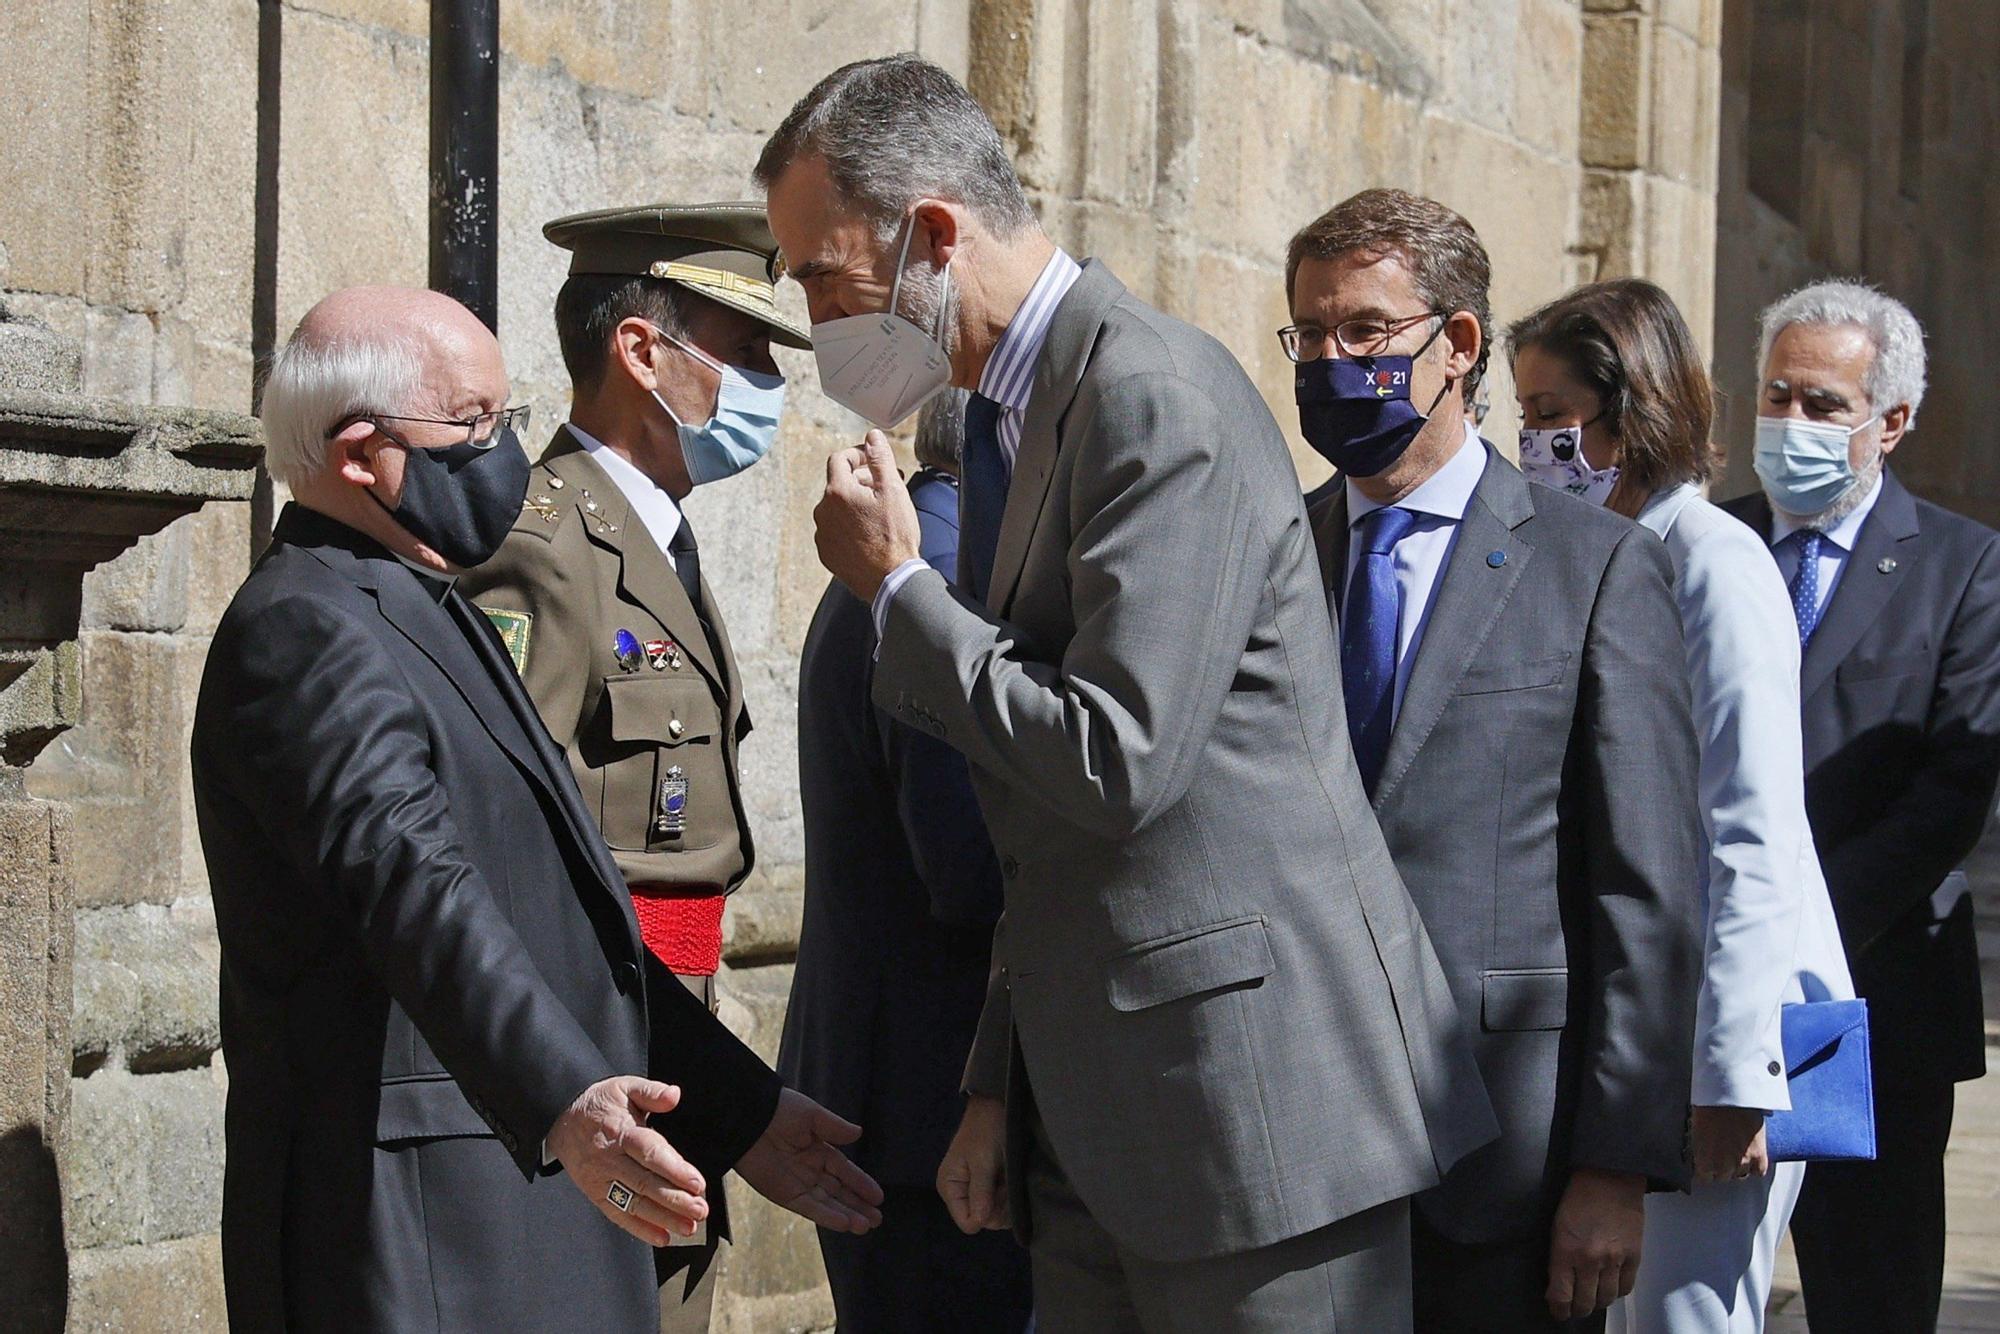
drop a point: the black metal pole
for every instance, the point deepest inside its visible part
(465, 153)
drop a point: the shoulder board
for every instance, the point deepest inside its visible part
(545, 506)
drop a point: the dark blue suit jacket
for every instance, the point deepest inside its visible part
(1901, 690)
(902, 890)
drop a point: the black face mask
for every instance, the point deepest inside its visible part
(460, 502)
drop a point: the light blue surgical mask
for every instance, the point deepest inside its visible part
(1804, 465)
(747, 406)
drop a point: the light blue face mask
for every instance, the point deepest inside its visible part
(745, 422)
(1804, 464)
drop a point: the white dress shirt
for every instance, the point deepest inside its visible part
(648, 499)
(1439, 505)
(1833, 551)
(1009, 380)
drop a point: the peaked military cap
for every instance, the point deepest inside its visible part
(724, 252)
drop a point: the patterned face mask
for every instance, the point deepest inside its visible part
(1554, 457)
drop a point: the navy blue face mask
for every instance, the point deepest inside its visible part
(1356, 411)
(460, 502)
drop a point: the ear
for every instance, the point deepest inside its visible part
(347, 453)
(632, 351)
(1463, 338)
(1895, 423)
(938, 230)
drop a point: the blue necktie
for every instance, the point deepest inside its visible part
(1368, 642)
(1805, 583)
(982, 475)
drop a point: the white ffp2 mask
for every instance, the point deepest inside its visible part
(882, 366)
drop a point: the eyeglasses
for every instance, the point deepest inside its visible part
(1365, 336)
(481, 431)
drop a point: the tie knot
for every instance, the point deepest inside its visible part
(981, 413)
(1809, 539)
(1384, 528)
(683, 539)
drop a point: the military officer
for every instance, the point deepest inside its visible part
(666, 323)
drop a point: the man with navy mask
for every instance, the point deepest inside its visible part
(1898, 605)
(666, 324)
(1512, 664)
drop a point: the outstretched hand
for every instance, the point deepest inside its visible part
(865, 524)
(796, 1163)
(611, 1154)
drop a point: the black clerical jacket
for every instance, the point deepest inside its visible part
(427, 953)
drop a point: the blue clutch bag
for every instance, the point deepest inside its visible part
(1833, 1094)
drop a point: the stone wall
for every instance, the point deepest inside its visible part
(1181, 140)
(1859, 141)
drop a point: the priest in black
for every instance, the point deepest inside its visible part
(456, 1099)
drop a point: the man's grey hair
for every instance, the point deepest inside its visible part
(1896, 374)
(315, 385)
(941, 431)
(896, 130)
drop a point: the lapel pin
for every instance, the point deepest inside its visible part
(663, 655)
(1886, 564)
(625, 645)
(1496, 558)
(543, 508)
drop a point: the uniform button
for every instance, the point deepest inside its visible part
(674, 728)
(1774, 1068)
(1009, 867)
(625, 977)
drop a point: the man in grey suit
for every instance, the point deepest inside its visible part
(1226, 1050)
(1517, 694)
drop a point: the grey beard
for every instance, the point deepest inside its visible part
(1850, 499)
(920, 302)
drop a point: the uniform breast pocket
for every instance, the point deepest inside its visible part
(665, 785)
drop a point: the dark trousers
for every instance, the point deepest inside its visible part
(687, 1268)
(917, 1273)
(1870, 1236)
(1483, 1287)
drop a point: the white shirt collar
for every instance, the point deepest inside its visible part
(1841, 534)
(1445, 493)
(649, 500)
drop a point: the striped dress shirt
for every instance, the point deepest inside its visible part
(1009, 380)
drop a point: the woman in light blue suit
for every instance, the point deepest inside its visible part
(1616, 407)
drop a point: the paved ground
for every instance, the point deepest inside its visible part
(1972, 1256)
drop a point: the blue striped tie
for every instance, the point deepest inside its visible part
(1805, 583)
(1368, 640)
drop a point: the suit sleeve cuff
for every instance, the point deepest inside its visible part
(879, 608)
(1759, 1084)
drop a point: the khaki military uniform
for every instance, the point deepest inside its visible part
(651, 731)
(577, 569)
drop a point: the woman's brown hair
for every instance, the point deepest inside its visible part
(1626, 342)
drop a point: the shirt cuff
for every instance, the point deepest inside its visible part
(886, 594)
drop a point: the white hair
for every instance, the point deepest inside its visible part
(318, 383)
(1896, 373)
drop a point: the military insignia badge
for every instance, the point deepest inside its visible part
(625, 647)
(515, 627)
(673, 803)
(663, 654)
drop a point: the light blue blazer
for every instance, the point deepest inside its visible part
(1772, 937)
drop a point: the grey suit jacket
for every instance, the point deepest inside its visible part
(1232, 1022)
(1539, 795)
